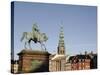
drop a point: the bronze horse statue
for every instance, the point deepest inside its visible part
(35, 36)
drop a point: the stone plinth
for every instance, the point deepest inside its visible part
(33, 61)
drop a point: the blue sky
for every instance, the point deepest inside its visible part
(79, 22)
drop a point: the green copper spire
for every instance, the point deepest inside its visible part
(61, 45)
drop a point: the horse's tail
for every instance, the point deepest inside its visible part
(24, 33)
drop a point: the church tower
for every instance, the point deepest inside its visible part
(58, 61)
(61, 44)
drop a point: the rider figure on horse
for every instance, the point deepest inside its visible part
(35, 27)
(35, 31)
(35, 36)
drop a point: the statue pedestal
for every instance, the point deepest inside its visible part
(33, 61)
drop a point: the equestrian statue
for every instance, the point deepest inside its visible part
(36, 36)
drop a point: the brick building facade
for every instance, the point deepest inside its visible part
(83, 61)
